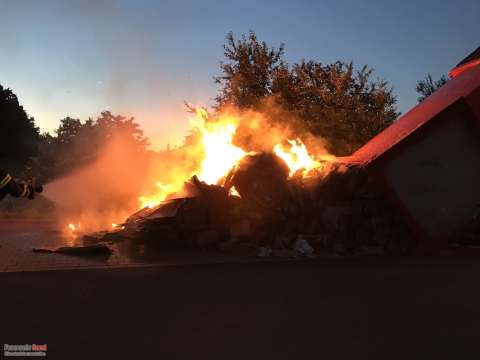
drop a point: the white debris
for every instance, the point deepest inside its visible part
(302, 247)
(264, 251)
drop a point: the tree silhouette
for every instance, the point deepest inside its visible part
(76, 143)
(248, 76)
(19, 136)
(334, 101)
(428, 86)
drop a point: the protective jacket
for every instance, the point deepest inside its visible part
(10, 186)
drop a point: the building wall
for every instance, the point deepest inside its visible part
(437, 176)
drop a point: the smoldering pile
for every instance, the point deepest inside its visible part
(260, 210)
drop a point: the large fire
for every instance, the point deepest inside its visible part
(298, 159)
(163, 190)
(219, 154)
(216, 155)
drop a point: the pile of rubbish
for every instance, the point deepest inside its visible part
(269, 214)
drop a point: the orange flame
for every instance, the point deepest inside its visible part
(220, 155)
(233, 191)
(217, 152)
(163, 190)
(297, 157)
(217, 155)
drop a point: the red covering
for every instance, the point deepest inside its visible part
(460, 86)
(460, 69)
(470, 61)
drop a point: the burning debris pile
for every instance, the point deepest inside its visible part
(260, 210)
(284, 202)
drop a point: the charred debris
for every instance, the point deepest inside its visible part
(270, 214)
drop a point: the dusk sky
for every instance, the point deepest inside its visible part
(144, 58)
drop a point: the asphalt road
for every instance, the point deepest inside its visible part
(415, 308)
(19, 237)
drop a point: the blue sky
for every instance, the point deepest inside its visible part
(144, 58)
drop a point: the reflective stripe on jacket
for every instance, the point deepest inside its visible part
(4, 182)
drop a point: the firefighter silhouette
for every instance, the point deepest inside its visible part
(15, 188)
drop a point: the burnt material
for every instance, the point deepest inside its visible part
(91, 250)
(261, 180)
(273, 214)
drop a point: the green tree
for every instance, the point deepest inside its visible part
(335, 101)
(19, 136)
(428, 86)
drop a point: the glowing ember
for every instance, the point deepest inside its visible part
(117, 226)
(74, 227)
(234, 191)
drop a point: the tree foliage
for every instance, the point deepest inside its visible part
(248, 75)
(18, 134)
(334, 101)
(428, 86)
(76, 143)
(25, 152)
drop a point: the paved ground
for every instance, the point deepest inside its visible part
(415, 308)
(356, 309)
(18, 237)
